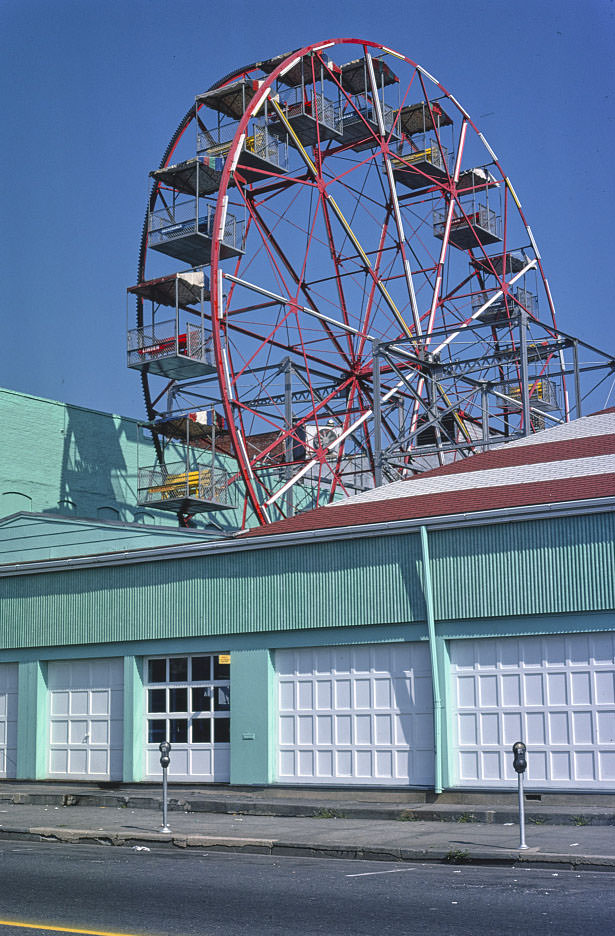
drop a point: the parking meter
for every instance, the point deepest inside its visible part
(165, 749)
(519, 758)
(520, 764)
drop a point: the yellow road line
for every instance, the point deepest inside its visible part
(61, 929)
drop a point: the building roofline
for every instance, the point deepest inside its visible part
(303, 537)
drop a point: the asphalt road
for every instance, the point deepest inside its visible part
(82, 888)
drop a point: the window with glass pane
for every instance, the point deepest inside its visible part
(178, 669)
(157, 700)
(157, 671)
(221, 670)
(201, 731)
(156, 730)
(178, 700)
(222, 730)
(222, 698)
(201, 698)
(178, 730)
(201, 669)
(192, 694)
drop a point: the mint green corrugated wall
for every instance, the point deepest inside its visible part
(530, 568)
(535, 567)
(329, 584)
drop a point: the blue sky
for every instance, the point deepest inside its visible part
(94, 90)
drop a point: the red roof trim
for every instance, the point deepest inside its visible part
(445, 503)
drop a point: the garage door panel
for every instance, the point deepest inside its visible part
(605, 724)
(100, 702)
(286, 694)
(324, 729)
(550, 693)
(604, 688)
(59, 703)
(606, 762)
(8, 720)
(559, 728)
(372, 713)
(84, 741)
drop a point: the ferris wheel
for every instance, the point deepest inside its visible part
(337, 287)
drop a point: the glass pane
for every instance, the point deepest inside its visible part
(201, 669)
(222, 730)
(178, 669)
(178, 700)
(156, 731)
(201, 731)
(222, 698)
(201, 699)
(156, 700)
(157, 670)
(222, 670)
(179, 730)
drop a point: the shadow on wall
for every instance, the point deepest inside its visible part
(98, 467)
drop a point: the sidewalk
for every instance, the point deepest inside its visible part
(261, 822)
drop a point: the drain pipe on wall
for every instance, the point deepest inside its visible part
(435, 674)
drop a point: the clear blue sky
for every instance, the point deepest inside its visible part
(92, 91)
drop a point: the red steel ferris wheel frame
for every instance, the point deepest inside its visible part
(216, 291)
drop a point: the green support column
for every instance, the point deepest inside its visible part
(252, 717)
(32, 721)
(134, 720)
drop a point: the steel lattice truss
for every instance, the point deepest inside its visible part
(355, 293)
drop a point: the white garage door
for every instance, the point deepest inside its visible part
(8, 720)
(361, 715)
(555, 693)
(85, 713)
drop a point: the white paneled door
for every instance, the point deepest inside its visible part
(355, 715)
(85, 719)
(8, 720)
(557, 694)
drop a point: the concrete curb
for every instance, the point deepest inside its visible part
(236, 805)
(265, 846)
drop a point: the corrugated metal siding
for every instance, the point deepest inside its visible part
(565, 564)
(324, 585)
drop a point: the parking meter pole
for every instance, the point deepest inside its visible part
(520, 765)
(521, 813)
(165, 749)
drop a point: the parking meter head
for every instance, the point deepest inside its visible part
(519, 758)
(165, 748)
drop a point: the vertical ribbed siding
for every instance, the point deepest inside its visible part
(552, 566)
(320, 585)
(559, 565)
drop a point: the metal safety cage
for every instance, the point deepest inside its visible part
(311, 114)
(262, 153)
(178, 348)
(184, 229)
(178, 486)
(417, 168)
(164, 349)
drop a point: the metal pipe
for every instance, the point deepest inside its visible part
(435, 675)
(521, 814)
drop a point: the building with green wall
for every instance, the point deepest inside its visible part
(405, 637)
